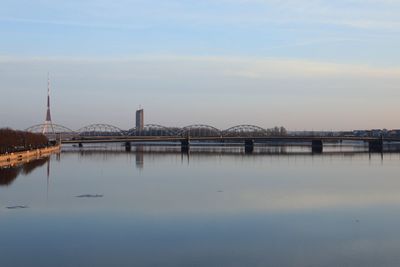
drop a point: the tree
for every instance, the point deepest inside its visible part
(12, 140)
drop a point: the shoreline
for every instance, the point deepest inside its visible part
(25, 156)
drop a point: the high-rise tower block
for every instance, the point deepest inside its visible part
(140, 119)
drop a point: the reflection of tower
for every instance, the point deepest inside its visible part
(48, 124)
(139, 156)
(48, 178)
(139, 119)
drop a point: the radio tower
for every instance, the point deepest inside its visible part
(48, 124)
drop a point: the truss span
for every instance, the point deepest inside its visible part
(245, 130)
(38, 128)
(200, 130)
(195, 130)
(152, 130)
(100, 129)
(60, 131)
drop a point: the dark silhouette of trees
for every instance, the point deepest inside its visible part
(28, 167)
(277, 131)
(8, 175)
(13, 141)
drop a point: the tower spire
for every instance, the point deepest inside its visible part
(48, 116)
(48, 124)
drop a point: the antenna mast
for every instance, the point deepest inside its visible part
(48, 124)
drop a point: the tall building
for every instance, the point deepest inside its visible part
(48, 124)
(140, 119)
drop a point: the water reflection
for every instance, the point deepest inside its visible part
(153, 207)
(139, 152)
(139, 155)
(9, 174)
(287, 169)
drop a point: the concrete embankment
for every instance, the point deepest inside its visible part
(18, 157)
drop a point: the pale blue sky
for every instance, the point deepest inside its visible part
(313, 64)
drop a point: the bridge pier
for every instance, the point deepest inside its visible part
(317, 146)
(376, 146)
(248, 146)
(185, 146)
(128, 146)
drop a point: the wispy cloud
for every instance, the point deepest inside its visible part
(73, 23)
(369, 14)
(246, 67)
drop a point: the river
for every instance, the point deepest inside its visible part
(154, 206)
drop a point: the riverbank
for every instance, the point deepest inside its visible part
(18, 157)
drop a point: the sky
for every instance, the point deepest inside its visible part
(315, 64)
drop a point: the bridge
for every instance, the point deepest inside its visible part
(248, 135)
(374, 144)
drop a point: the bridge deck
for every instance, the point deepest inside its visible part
(113, 139)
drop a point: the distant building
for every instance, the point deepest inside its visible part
(394, 133)
(139, 119)
(360, 133)
(376, 132)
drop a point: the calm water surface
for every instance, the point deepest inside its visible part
(162, 208)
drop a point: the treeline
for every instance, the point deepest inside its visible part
(277, 131)
(14, 141)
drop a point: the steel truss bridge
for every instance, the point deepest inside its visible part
(196, 130)
(249, 135)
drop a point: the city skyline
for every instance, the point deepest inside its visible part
(313, 65)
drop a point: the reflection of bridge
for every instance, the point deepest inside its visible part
(249, 135)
